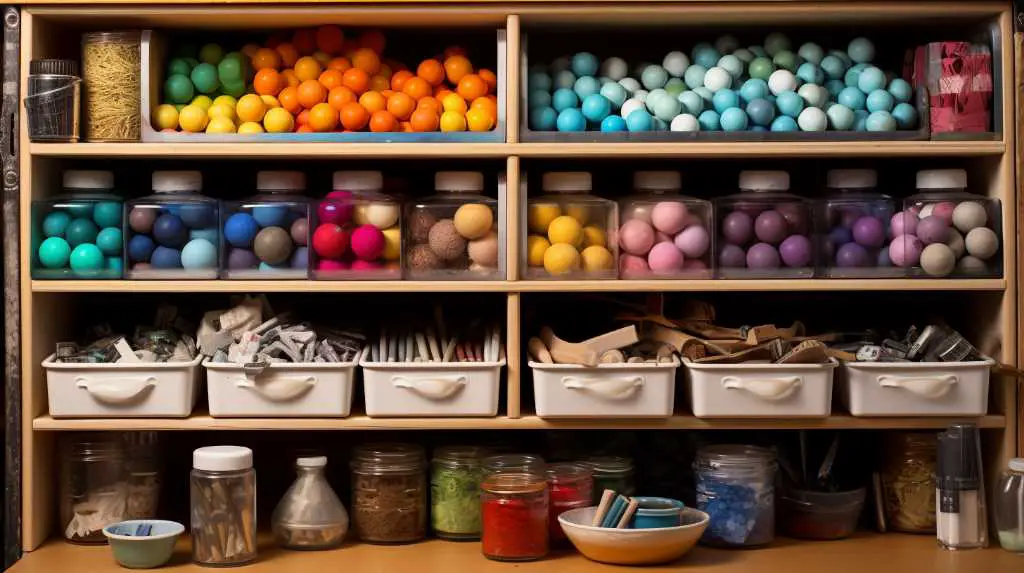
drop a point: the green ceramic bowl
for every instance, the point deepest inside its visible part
(143, 543)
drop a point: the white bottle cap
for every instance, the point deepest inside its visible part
(312, 462)
(942, 179)
(567, 181)
(852, 179)
(358, 180)
(281, 181)
(658, 180)
(175, 181)
(222, 458)
(1017, 464)
(459, 181)
(75, 179)
(764, 180)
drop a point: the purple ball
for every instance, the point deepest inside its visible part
(693, 242)
(932, 229)
(141, 219)
(738, 228)
(762, 256)
(903, 223)
(770, 227)
(242, 259)
(849, 216)
(840, 236)
(665, 257)
(796, 251)
(300, 258)
(733, 257)
(869, 232)
(796, 217)
(905, 250)
(852, 255)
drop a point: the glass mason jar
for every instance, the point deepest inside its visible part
(144, 474)
(853, 224)
(78, 234)
(736, 488)
(454, 234)
(456, 472)
(1009, 507)
(656, 213)
(223, 491)
(515, 513)
(611, 472)
(518, 463)
(111, 85)
(571, 232)
(265, 236)
(356, 230)
(174, 233)
(389, 493)
(764, 231)
(908, 481)
(310, 515)
(93, 486)
(571, 486)
(946, 231)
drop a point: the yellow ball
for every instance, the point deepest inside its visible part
(193, 118)
(540, 215)
(479, 120)
(249, 128)
(165, 117)
(566, 230)
(536, 246)
(579, 212)
(225, 100)
(594, 236)
(222, 110)
(202, 101)
(597, 258)
(561, 259)
(251, 108)
(454, 102)
(270, 101)
(392, 243)
(278, 120)
(220, 124)
(453, 121)
(473, 220)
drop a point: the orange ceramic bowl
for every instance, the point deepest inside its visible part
(632, 546)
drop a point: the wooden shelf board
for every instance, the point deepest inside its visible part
(738, 285)
(880, 553)
(217, 151)
(266, 286)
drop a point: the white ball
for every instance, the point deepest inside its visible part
(969, 215)
(726, 44)
(956, 243)
(560, 64)
(814, 95)
(781, 81)
(630, 84)
(938, 260)
(685, 122)
(717, 79)
(971, 266)
(982, 242)
(641, 95)
(675, 63)
(744, 55)
(732, 64)
(631, 105)
(926, 211)
(614, 68)
(379, 215)
(812, 119)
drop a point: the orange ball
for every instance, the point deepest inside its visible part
(373, 39)
(289, 55)
(356, 80)
(429, 102)
(432, 71)
(267, 82)
(405, 127)
(354, 116)
(367, 60)
(302, 118)
(401, 105)
(330, 79)
(303, 129)
(471, 86)
(454, 51)
(249, 50)
(386, 71)
(339, 63)
(289, 100)
(275, 40)
(304, 41)
(440, 92)
(340, 96)
(456, 67)
(387, 93)
(266, 58)
(329, 39)
(416, 87)
(399, 78)
(379, 83)
(323, 117)
(307, 68)
(373, 101)
(311, 93)
(424, 119)
(487, 104)
(489, 78)
(290, 79)
(382, 121)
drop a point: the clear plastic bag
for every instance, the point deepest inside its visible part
(310, 515)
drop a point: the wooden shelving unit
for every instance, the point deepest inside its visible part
(44, 304)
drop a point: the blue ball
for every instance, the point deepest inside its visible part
(860, 120)
(754, 88)
(834, 87)
(110, 241)
(761, 112)
(166, 258)
(199, 254)
(840, 235)
(300, 258)
(208, 234)
(901, 90)
(784, 123)
(543, 119)
(198, 216)
(270, 215)
(833, 67)
(613, 124)
(871, 79)
(905, 116)
(107, 213)
(115, 265)
(639, 120)
(564, 98)
(725, 99)
(614, 93)
(810, 73)
(585, 86)
(140, 249)
(86, 258)
(789, 104)
(694, 76)
(596, 107)
(852, 77)
(852, 98)
(56, 223)
(584, 64)
(80, 231)
(54, 252)
(692, 103)
(880, 100)
(881, 121)
(170, 231)
(538, 80)
(539, 98)
(707, 57)
(239, 230)
(709, 120)
(734, 119)
(571, 119)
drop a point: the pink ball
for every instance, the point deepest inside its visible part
(660, 237)
(336, 208)
(669, 217)
(366, 265)
(665, 257)
(331, 265)
(905, 250)
(636, 237)
(903, 223)
(693, 242)
(367, 242)
(694, 265)
(944, 211)
(632, 264)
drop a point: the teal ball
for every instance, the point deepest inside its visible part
(107, 214)
(564, 98)
(811, 52)
(204, 77)
(709, 120)
(639, 120)
(178, 88)
(833, 67)
(658, 124)
(840, 117)
(758, 51)
(834, 87)
(613, 124)
(784, 124)
(861, 50)
(843, 56)
(539, 98)
(860, 120)
(905, 116)
(880, 121)
(852, 76)
(734, 119)
(698, 48)
(614, 93)
(880, 100)
(586, 86)
(810, 73)
(707, 57)
(852, 98)
(81, 231)
(733, 65)
(692, 103)
(543, 119)
(901, 90)
(539, 80)
(178, 66)
(790, 104)
(56, 223)
(110, 241)
(571, 119)
(80, 209)
(753, 89)
(871, 79)
(694, 76)
(786, 60)
(54, 253)
(563, 80)
(761, 112)
(584, 64)
(596, 107)
(654, 77)
(115, 265)
(86, 258)
(725, 99)
(761, 68)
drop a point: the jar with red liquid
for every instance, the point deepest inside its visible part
(571, 487)
(514, 508)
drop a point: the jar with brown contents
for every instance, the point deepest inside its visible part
(389, 493)
(908, 483)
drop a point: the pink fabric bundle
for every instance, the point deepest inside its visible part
(958, 76)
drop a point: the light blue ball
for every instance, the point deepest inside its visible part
(675, 86)
(810, 73)
(543, 119)
(758, 128)
(698, 48)
(860, 120)
(605, 80)
(880, 100)
(584, 64)
(564, 98)
(666, 108)
(871, 79)
(753, 88)
(761, 112)
(56, 223)
(586, 86)
(613, 124)
(614, 93)
(199, 254)
(107, 213)
(840, 117)
(733, 65)
(692, 103)
(833, 87)
(539, 98)
(861, 50)
(571, 119)
(54, 253)
(709, 120)
(905, 116)
(653, 97)
(881, 121)
(266, 267)
(596, 107)
(833, 67)
(784, 123)
(842, 55)
(852, 98)
(654, 77)
(270, 215)
(86, 258)
(789, 104)
(110, 241)
(901, 90)
(208, 234)
(659, 124)
(694, 76)
(705, 94)
(639, 120)
(811, 52)
(539, 80)
(725, 99)
(734, 119)
(563, 80)
(707, 57)
(852, 76)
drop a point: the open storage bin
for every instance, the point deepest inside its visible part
(760, 390)
(628, 390)
(317, 389)
(431, 389)
(916, 388)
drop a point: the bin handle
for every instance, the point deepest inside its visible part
(116, 390)
(613, 388)
(280, 388)
(764, 388)
(933, 387)
(430, 387)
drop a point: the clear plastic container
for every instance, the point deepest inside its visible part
(1008, 504)
(853, 227)
(453, 235)
(389, 493)
(145, 474)
(78, 234)
(223, 490)
(570, 232)
(736, 488)
(174, 233)
(357, 232)
(455, 476)
(946, 231)
(514, 463)
(310, 515)
(266, 235)
(515, 508)
(656, 213)
(908, 481)
(611, 472)
(764, 231)
(571, 486)
(821, 515)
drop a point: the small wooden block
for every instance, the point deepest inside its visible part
(538, 351)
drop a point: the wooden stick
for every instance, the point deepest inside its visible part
(538, 351)
(602, 508)
(563, 352)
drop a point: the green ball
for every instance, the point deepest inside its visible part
(233, 88)
(211, 54)
(179, 66)
(54, 253)
(786, 60)
(86, 258)
(178, 89)
(761, 68)
(204, 76)
(192, 62)
(230, 69)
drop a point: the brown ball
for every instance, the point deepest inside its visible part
(273, 245)
(419, 225)
(445, 241)
(421, 258)
(484, 251)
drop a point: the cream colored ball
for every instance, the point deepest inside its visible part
(484, 251)
(380, 215)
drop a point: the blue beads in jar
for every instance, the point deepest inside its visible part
(735, 487)
(266, 236)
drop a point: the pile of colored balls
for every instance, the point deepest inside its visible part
(83, 237)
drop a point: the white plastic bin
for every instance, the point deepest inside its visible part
(760, 390)
(280, 390)
(621, 390)
(121, 390)
(442, 389)
(916, 388)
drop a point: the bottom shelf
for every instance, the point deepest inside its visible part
(895, 553)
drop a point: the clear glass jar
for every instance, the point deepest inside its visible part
(946, 231)
(736, 488)
(454, 234)
(571, 232)
(174, 233)
(112, 85)
(94, 486)
(853, 224)
(389, 493)
(764, 231)
(908, 481)
(519, 463)
(357, 230)
(144, 474)
(1009, 507)
(456, 472)
(656, 213)
(571, 486)
(515, 516)
(78, 234)
(310, 515)
(266, 235)
(611, 472)
(223, 491)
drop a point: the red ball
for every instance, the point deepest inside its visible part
(330, 241)
(329, 265)
(367, 242)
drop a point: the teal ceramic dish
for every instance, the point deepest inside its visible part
(143, 543)
(655, 512)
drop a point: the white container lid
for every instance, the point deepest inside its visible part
(358, 180)
(76, 179)
(562, 181)
(942, 179)
(459, 181)
(222, 458)
(852, 178)
(175, 181)
(281, 181)
(312, 462)
(764, 180)
(658, 180)
(1017, 464)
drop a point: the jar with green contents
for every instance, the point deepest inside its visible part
(455, 476)
(611, 472)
